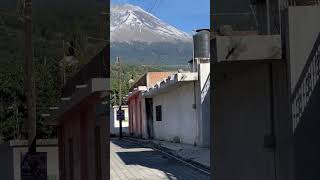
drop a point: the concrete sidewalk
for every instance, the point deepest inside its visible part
(192, 154)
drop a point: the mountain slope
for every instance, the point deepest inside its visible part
(139, 37)
(131, 23)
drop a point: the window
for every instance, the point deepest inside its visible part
(158, 113)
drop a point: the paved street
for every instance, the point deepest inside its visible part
(130, 161)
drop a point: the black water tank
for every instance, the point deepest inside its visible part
(201, 42)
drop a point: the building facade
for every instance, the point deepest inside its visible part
(114, 123)
(139, 125)
(181, 106)
(265, 96)
(82, 121)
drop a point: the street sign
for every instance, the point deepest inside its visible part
(120, 115)
(34, 166)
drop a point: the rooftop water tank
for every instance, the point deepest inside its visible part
(201, 43)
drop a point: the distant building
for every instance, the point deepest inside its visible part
(114, 123)
(181, 107)
(175, 106)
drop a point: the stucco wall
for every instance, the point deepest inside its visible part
(137, 116)
(251, 103)
(241, 120)
(178, 115)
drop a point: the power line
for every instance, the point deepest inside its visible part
(154, 5)
(157, 7)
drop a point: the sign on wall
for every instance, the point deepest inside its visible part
(120, 115)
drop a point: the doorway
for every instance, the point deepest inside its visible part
(149, 112)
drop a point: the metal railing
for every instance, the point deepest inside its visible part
(306, 84)
(97, 67)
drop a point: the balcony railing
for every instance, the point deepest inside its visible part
(306, 84)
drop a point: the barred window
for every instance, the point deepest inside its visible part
(158, 113)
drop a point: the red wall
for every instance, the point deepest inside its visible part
(89, 151)
(135, 115)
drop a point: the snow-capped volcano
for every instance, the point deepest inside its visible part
(131, 23)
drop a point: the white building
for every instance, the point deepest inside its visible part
(181, 107)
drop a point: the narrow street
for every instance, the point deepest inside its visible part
(130, 161)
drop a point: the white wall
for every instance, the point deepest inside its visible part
(178, 115)
(304, 27)
(114, 124)
(303, 30)
(204, 72)
(204, 104)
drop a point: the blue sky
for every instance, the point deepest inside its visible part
(183, 14)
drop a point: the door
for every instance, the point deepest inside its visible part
(149, 112)
(243, 123)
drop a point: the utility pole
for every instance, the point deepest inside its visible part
(30, 83)
(120, 94)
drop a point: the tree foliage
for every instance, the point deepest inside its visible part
(53, 23)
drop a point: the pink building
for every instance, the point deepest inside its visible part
(139, 124)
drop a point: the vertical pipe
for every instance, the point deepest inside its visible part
(268, 17)
(193, 60)
(280, 4)
(272, 117)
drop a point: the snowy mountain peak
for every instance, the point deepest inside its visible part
(131, 23)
